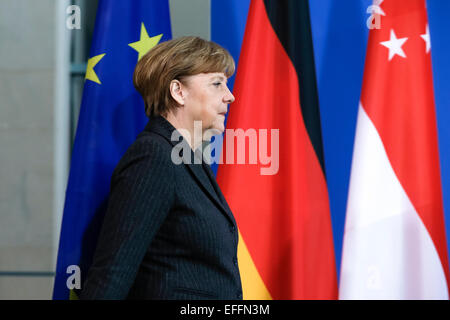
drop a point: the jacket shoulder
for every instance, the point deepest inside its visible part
(149, 152)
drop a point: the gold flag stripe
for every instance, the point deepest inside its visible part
(252, 284)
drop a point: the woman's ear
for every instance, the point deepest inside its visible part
(177, 92)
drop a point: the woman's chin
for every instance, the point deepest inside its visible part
(213, 131)
(219, 129)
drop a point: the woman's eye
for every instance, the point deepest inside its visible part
(217, 84)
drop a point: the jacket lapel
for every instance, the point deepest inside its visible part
(206, 179)
(217, 189)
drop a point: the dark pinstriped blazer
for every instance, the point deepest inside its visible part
(168, 232)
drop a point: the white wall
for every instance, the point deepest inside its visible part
(27, 68)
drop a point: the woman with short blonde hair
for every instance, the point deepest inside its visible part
(176, 59)
(168, 232)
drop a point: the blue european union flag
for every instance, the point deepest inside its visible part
(111, 116)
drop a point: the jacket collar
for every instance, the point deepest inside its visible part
(161, 126)
(201, 172)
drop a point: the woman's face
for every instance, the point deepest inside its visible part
(207, 98)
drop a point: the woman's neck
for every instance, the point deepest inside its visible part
(191, 130)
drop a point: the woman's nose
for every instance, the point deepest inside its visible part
(229, 98)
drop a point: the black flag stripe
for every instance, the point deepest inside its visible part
(290, 21)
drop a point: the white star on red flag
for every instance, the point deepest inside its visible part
(395, 45)
(426, 38)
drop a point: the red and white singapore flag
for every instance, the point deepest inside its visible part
(394, 240)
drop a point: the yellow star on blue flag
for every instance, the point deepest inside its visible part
(145, 42)
(90, 73)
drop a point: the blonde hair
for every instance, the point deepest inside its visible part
(176, 59)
